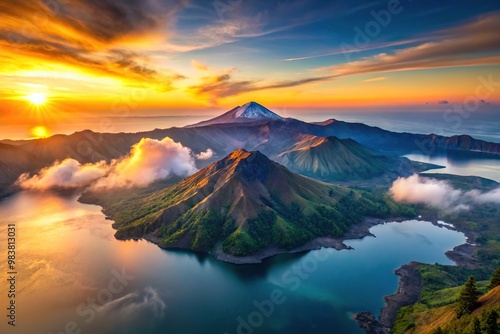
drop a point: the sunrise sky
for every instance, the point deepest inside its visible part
(73, 58)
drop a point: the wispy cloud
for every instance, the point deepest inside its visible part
(248, 19)
(339, 51)
(218, 33)
(217, 84)
(472, 44)
(375, 79)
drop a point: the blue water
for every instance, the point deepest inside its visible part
(487, 167)
(68, 261)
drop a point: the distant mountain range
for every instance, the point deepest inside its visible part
(240, 205)
(331, 150)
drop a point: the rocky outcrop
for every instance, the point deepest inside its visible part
(410, 283)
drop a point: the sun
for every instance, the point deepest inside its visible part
(37, 98)
(40, 132)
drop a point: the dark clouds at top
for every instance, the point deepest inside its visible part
(96, 35)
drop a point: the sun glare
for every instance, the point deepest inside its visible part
(37, 98)
(40, 132)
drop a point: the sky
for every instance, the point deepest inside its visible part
(78, 58)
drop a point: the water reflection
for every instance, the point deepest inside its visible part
(460, 163)
(68, 259)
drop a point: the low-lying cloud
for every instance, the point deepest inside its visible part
(149, 160)
(66, 174)
(439, 194)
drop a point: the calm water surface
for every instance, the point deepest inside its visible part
(486, 167)
(69, 261)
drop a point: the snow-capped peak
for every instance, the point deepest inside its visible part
(247, 113)
(255, 111)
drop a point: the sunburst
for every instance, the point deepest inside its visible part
(37, 99)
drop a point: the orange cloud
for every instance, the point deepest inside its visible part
(217, 84)
(466, 45)
(92, 36)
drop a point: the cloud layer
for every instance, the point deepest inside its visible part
(138, 43)
(439, 194)
(149, 160)
(66, 174)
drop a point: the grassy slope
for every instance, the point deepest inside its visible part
(422, 319)
(334, 159)
(442, 283)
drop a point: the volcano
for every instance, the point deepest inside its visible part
(250, 112)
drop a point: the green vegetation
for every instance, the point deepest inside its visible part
(202, 230)
(240, 244)
(489, 323)
(334, 159)
(288, 226)
(467, 302)
(243, 204)
(438, 302)
(442, 285)
(495, 279)
(475, 327)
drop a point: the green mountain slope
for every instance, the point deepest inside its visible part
(243, 203)
(332, 159)
(424, 319)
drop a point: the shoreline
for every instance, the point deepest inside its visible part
(410, 285)
(357, 231)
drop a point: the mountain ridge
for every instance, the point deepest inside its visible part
(270, 136)
(243, 203)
